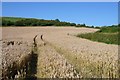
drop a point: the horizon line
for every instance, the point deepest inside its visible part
(54, 19)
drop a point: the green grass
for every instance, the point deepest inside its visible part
(111, 29)
(107, 35)
(12, 19)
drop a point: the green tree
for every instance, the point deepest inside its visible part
(78, 25)
(57, 20)
(20, 23)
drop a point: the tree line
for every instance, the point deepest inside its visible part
(13, 21)
(35, 22)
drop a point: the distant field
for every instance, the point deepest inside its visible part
(107, 35)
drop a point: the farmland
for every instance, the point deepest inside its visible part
(61, 54)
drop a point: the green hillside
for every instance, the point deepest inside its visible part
(17, 21)
(109, 35)
(12, 19)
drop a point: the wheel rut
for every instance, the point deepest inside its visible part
(53, 65)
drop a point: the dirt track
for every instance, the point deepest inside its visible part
(65, 48)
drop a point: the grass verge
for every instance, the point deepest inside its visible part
(109, 38)
(107, 35)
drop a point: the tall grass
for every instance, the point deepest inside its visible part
(107, 35)
(109, 38)
(111, 29)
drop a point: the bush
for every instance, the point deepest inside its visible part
(9, 21)
(20, 23)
